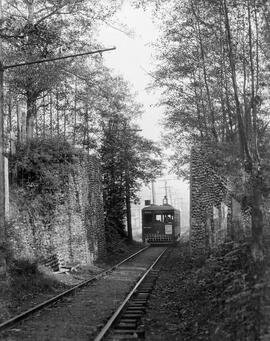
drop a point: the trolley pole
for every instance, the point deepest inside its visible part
(153, 192)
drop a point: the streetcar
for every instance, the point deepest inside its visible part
(160, 224)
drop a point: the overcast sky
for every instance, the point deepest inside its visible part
(132, 59)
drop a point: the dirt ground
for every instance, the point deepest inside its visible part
(222, 298)
(78, 317)
(27, 288)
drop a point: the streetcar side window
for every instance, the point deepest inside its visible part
(147, 217)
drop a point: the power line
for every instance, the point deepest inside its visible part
(5, 67)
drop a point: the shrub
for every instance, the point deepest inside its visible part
(28, 278)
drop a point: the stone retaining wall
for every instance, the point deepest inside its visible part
(75, 229)
(215, 213)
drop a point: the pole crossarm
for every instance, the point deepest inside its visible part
(5, 67)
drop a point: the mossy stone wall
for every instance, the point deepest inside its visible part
(74, 226)
(214, 218)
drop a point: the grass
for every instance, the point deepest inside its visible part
(120, 250)
(27, 284)
(29, 277)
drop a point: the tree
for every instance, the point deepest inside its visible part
(214, 70)
(143, 164)
(128, 160)
(40, 29)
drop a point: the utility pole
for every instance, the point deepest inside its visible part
(127, 189)
(2, 167)
(128, 208)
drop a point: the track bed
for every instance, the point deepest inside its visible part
(78, 317)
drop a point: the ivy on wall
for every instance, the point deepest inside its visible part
(56, 202)
(41, 169)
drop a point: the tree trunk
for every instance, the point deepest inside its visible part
(211, 110)
(44, 117)
(19, 123)
(30, 8)
(23, 126)
(2, 176)
(129, 225)
(228, 104)
(51, 116)
(65, 123)
(257, 217)
(204, 111)
(57, 113)
(75, 112)
(200, 127)
(257, 44)
(252, 81)
(250, 154)
(242, 136)
(87, 128)
(205, 78)
(30, 117)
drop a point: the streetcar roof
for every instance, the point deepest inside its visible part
(159, 208)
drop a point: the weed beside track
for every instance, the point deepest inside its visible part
(218, 299)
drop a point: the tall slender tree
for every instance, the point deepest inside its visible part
(41, 29)
(214, 72)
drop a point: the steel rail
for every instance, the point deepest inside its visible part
(116, 314)
(58, 297)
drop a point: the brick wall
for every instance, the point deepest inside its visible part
(75, 229)
(215, 213)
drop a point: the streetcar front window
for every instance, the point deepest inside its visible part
(159, 217)
(150, 217)
(168, 218)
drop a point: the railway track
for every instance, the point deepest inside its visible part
(127, 323)
(76, 313)
(66, 293)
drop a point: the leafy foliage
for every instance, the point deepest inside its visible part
(35, 30)
(214, 69)
(42, 168)
(194, 71)
(128, 161)
(73, 101)
(213, 300)
(38, 161)
(28, 279)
